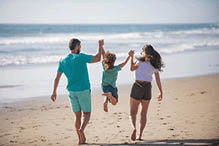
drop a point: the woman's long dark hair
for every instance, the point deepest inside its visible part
(154, 56)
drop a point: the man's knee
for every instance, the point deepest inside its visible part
(86, 113)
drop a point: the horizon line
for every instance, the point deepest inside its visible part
(105, 23)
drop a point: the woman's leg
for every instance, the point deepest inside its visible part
(143, 120)
(134, 104)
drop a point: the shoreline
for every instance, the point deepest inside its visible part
(96, 91)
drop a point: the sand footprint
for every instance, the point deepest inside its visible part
(67, 137)
(203, 92)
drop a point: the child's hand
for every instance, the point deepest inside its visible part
(101, 42)
(131, 53)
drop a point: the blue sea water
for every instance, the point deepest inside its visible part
(34, 44)
(29, 53)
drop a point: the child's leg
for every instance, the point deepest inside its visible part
(105, 105)
(112, 98)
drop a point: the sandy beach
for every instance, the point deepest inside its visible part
(188, 115)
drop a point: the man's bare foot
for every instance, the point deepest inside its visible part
(133, 136)
(105, 106)
(82, 136)
(112, 99)
(79, 136)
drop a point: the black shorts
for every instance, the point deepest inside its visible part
(141, 91)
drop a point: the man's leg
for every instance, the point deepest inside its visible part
(78, 125)
(85, 104)
(86, 118)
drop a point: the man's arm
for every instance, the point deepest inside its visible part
(56, 83)
(97, 57)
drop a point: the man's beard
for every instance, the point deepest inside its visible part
(78, 51)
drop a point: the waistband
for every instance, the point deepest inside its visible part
(142, 81)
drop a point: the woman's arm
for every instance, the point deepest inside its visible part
(133, 66)
(157, 77)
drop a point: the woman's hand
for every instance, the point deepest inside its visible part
(160, 97)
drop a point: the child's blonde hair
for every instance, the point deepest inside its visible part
(109, 60)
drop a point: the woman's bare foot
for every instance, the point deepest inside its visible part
(139, 138)
(105, 106)
(133, 136)
(112, 99)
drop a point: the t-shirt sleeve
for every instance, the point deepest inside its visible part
(156, 70)
(60, 70)
(86, 58)
(118, 67)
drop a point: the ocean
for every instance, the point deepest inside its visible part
(29, 53)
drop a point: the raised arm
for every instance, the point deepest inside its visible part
(126, 60)
(97, 57)
(56, 83)
(157, 77)
(133, 66)
(103, 53)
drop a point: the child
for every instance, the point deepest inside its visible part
(109, 78)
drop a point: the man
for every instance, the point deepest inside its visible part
(74, 66)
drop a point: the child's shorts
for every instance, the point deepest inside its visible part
(80, 100)
(141, 91)
(110, 88)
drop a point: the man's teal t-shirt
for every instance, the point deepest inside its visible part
(110, 75)
(74, 66)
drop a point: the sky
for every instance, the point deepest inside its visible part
(108, 11)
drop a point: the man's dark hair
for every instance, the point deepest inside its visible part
(73, 43)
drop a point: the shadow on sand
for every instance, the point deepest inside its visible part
(165, 142)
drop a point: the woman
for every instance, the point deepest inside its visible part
(150, 63)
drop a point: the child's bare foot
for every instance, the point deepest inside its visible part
(112, 99)
(133, 136)
(105, 106)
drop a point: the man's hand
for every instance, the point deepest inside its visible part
(53, 97)
(101, 42)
